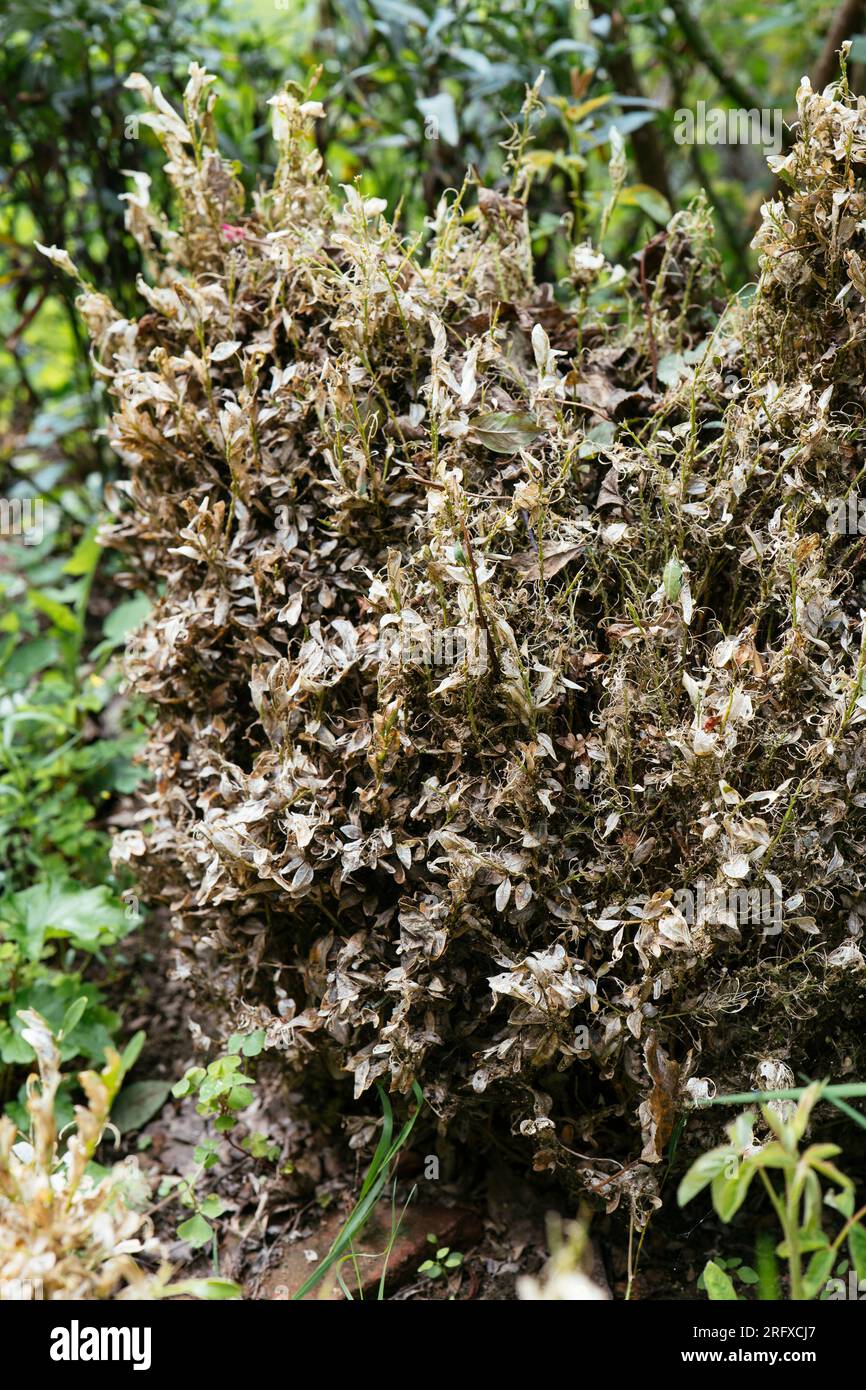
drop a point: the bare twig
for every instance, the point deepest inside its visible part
(654, 355)
(848, 21)
(478, 604)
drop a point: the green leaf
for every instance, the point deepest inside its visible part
(747, 1275)
(138, 1103)
(240, 1097)
(58, 909)
(702, 1172)
(85, 556)
(259, 1146)
(73, 1015)
(28, 658)
(504, 433)
(212, 1206)
(651, 202)
(61, 616)
(857, 1249)
(253, 1043)
(672, 579)
(729, 1194)
(740, 1130)
(196, 1231)
(211, 1088)
(672, 369)
(14, 1050)
(718, 1284)
(841, 1201)
(212, 1289)
(806, 1243)
(819, 1269)
(126, 617)
(132, 1051)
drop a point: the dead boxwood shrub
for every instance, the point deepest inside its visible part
(515, 868)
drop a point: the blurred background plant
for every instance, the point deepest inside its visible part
(70, 1228)
(66, 747)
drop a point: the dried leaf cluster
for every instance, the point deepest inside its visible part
(63, 1233)
(473, 873)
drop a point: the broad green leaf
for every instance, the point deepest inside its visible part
(28, 658)
(829, 1170)
(84, 557)
(253, 1043)
(650, 201)
(718, 1284)
(138, 1103)
(240, 1097)
(729, 1194)
(61, 616)
(807, 1241)
(60, 909)
(740, 1130)
(702, 1172)
(126, 617)
(672, 369)
(841, 1201)
(196, 1231)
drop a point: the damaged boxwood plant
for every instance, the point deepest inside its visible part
(501, 655)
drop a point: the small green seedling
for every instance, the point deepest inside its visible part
(222, 1089)
(444, 1260)
(729, 1269)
